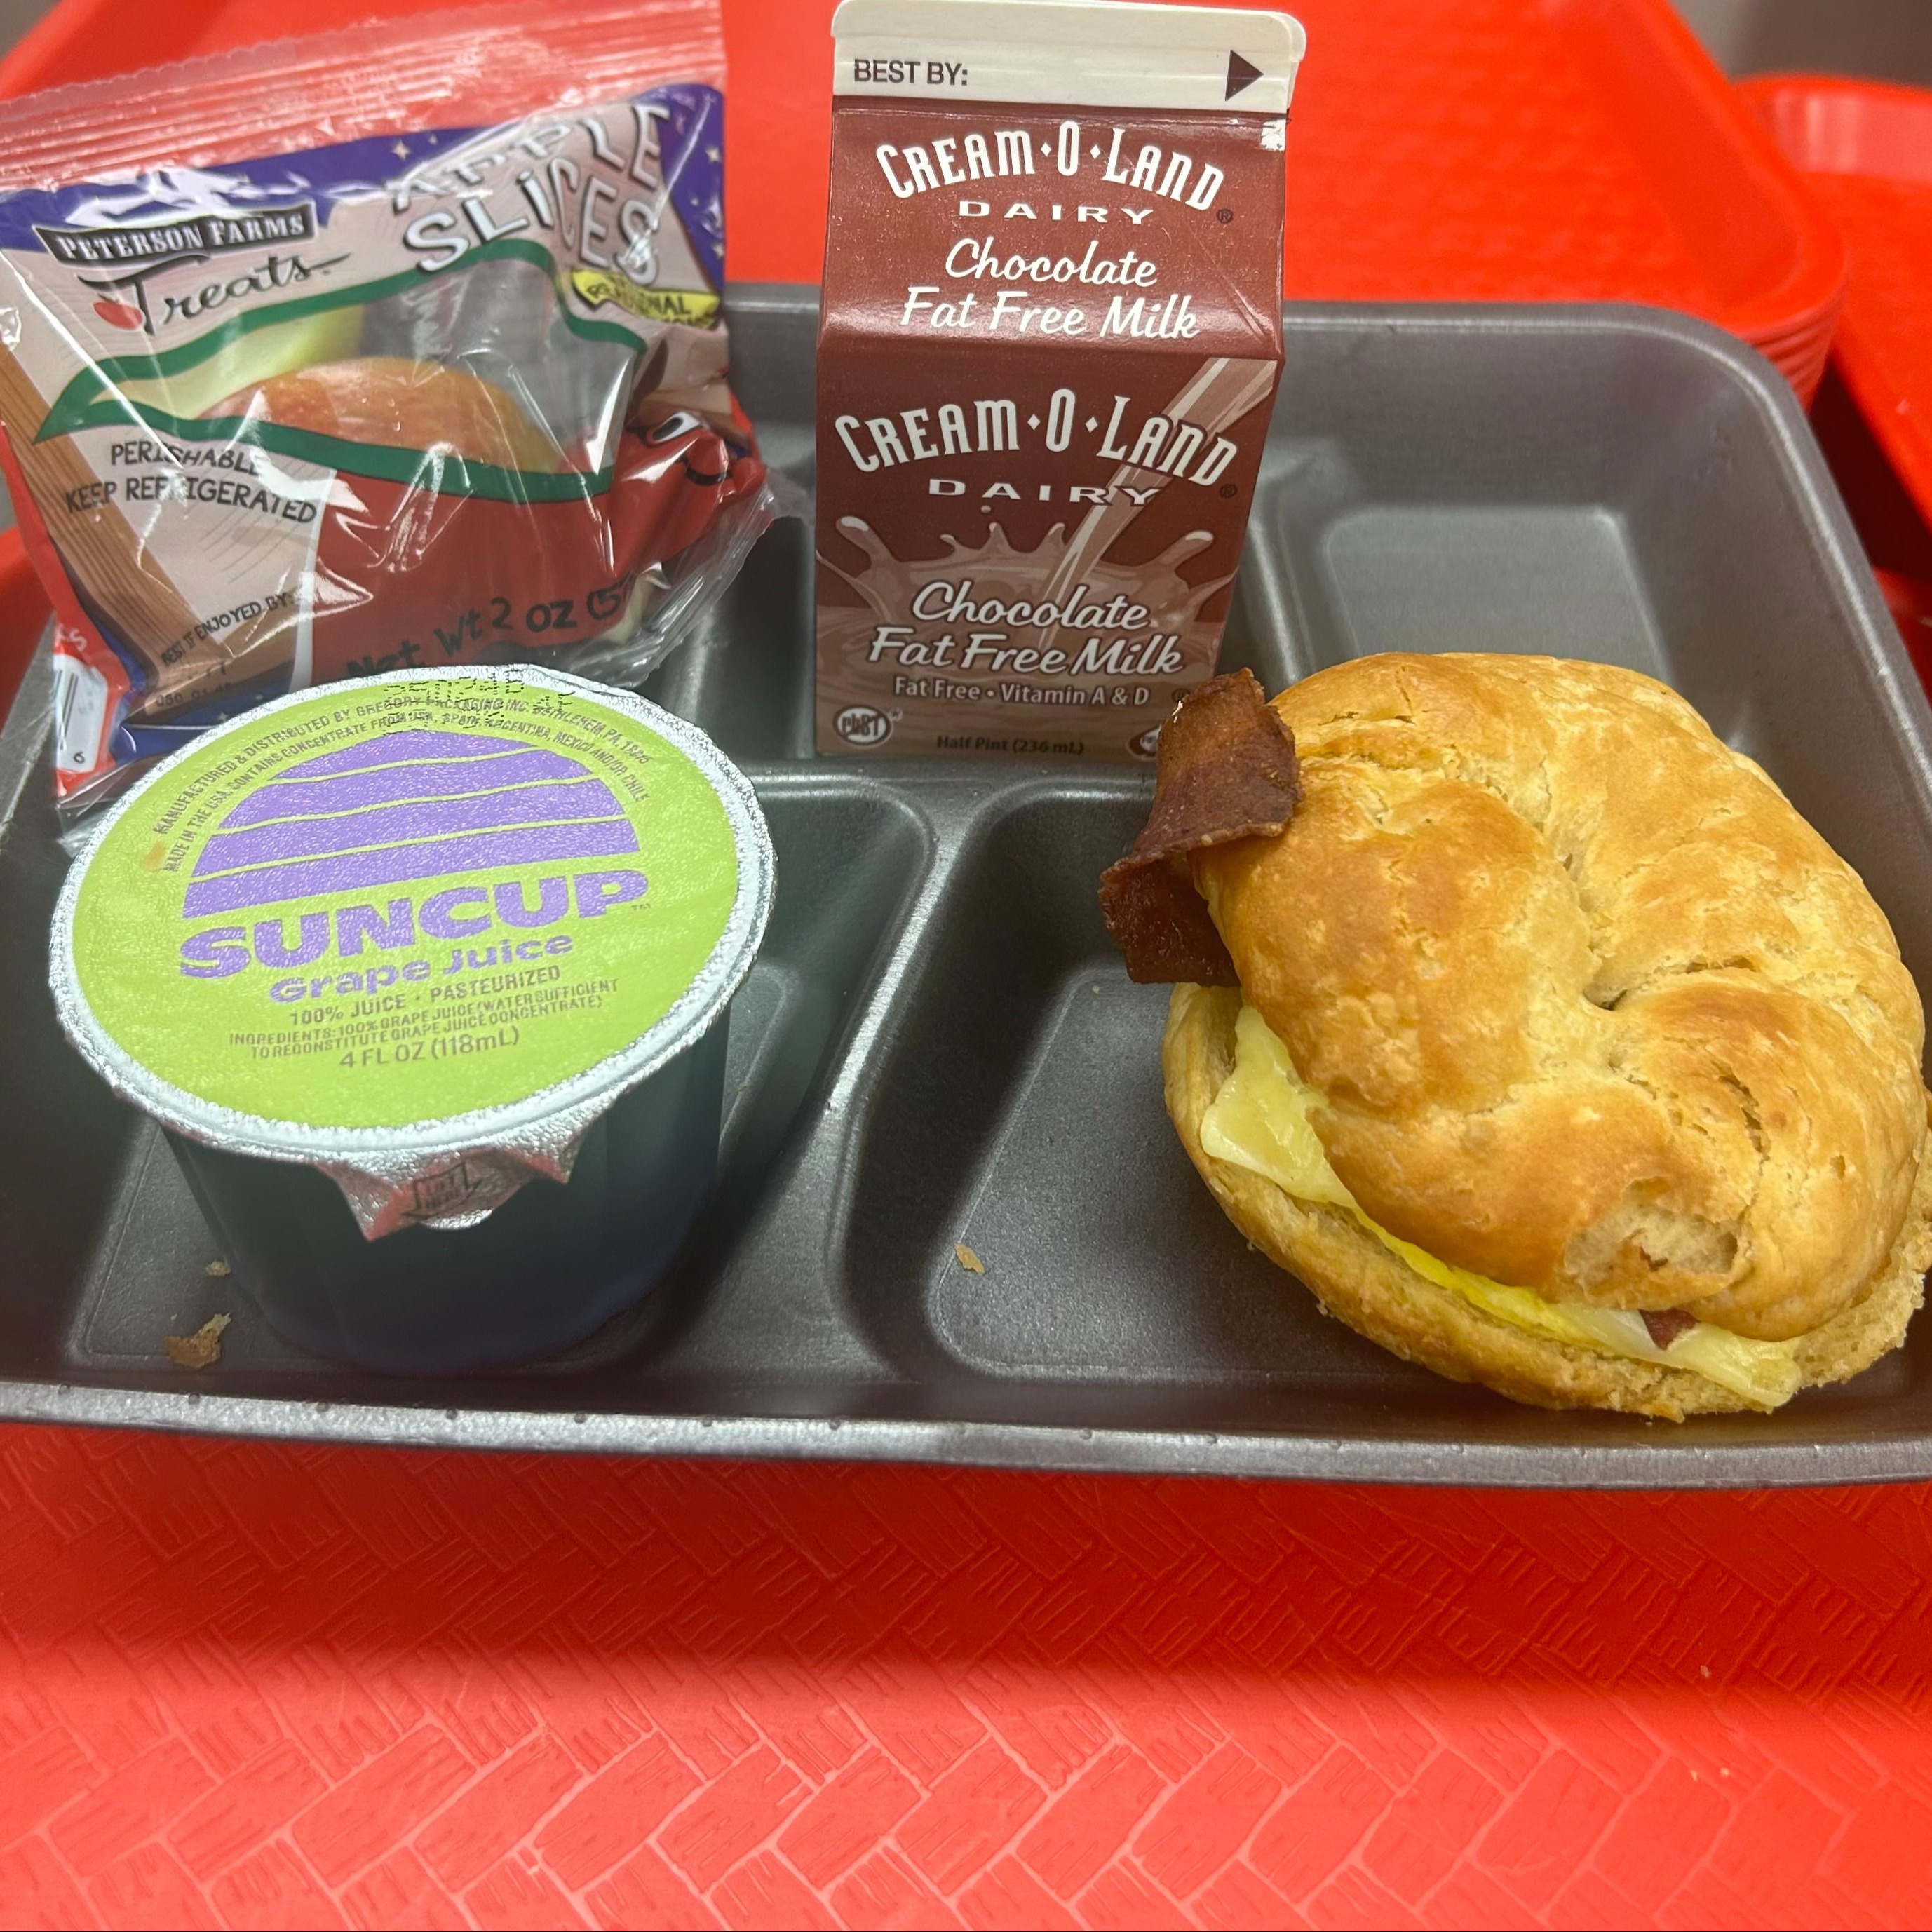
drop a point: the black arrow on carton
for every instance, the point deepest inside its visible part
(1240, 73)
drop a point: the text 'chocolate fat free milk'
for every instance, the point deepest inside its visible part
(1050, 338)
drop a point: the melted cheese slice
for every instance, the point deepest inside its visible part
(1260, 1121)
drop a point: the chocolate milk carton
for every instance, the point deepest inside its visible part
(1051, 334)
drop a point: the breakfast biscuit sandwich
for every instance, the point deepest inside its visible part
(1533, 1029)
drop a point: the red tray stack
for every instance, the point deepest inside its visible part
(1866, 153)
(1549, 150)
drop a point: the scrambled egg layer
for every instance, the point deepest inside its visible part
(1259, 1120)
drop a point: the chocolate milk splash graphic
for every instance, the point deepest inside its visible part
(1075, 709)
(1050, 334)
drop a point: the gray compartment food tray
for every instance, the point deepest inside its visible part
(939, 1046)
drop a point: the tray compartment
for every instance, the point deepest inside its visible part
(849, 854)
(939, 1046)
(1137, 1279)
(741, 678)
(1502, 578)
(1018, 1112)
(64, 1140)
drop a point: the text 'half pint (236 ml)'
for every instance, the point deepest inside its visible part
(1050, 337)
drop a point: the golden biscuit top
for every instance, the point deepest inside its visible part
(1594, 1010)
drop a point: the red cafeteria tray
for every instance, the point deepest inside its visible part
(253, 1685)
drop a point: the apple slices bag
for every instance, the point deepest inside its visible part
(397, 346)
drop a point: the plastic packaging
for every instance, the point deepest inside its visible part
(376, 350)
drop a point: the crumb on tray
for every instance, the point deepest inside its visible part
(968, 1259)
(201, 1350)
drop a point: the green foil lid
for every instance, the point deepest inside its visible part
(418, 930)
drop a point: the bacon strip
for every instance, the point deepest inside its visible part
(1225, 770)
(1665, 1325)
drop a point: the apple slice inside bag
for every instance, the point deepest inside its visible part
(400, 403)
(251, 359)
